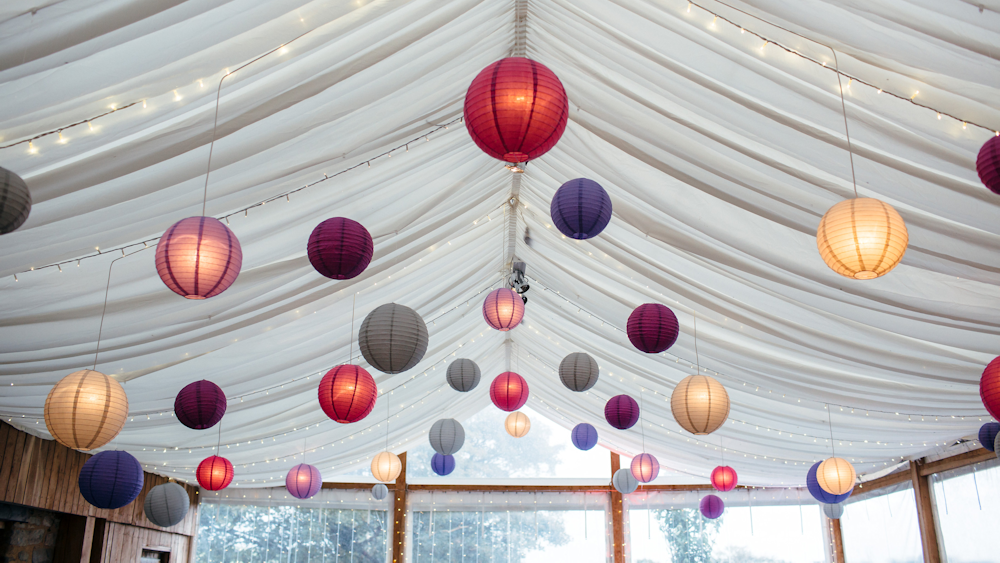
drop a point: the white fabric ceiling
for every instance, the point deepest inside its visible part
(720, 155)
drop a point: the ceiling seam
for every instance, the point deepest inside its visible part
(520, 50)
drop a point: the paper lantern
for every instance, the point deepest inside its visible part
(517, 424)
(580, 209)
(578, 372)
(624, 482)
(995, 443)
(215, 473)
(442, 464)
(379, 491)
(110, 479)
(584, 436)
(817, 492)
(446, 436)
(85, 410)
(724, 478)
(711, 507)
(645, 467)
(340, 248)
(463, 375)
(988, 434)
(988, 164)
(509, 391)
(652, 328)
(989, 388)
(622, 412)
(386, 467)
(198, 257)
(503, 309)
(861, 238)
(393, 338)
(833, 511)
(303, 481)
(347, 393)
(15, 201)
(516, 109)
(200, 405)
(700, 404)
(836, 476)
(166, 505)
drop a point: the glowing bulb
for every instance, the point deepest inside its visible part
(963, 125)
(200, 84)
(31, 148)
(144, 104)
(915, 94)
(177, 97)
(284, 50)
(689, 7)
(90, 125)
(764, 45)
(849, 82)
(939, 116)
(62, 139)
(715, 19)
(114, 106)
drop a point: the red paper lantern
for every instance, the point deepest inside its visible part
(503, 309)
(214, 473)
(516, 109)
(340, 248)
(988, 164)
(347, 393)
(724, 478)
(989, 388)
(198, 257)
(509, 391)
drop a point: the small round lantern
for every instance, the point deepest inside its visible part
(989, 388)
(393, 338)
(340, 248)
(517, 424)
(836, 476)
(503, 309)
(85, 410)
(578, 372)
(509, 391)
(463, 375)
(988, 435)
(442, 464)
(584, 436)
(303, 481)
(724, 478)
(700, 404)
(581, 209)
(111, 479)
(198, 257)
(988, 164)
(624, 482)
(711, 507)
(347, 393)
(446, 436)
(516, 109)
(817, 492)
(861, 238)
(995, 443)
(645, 467)
(200, 405)
(15, 201)
(386, 467)
(379, 491)
(622, 412)
(652, 328)
(166, 505)
(833, 511)
(215, 473)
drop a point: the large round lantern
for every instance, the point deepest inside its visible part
(724, 478)
(836, 476)
(303, 481)
(989, 388)
(833, 511)
(386, 466)
(624, 482)
(463, 375)
(85, 410)
(215, 473)
(347, 393)
(442, 464)
(621, 411)
(578, 372)
(652, 328)
(200, 405)
(393, 338)
(340, 248)
(861, 238)
(988, 164)
(817, 492)
(166, 505)
(111, 479)
(503, 309)
(988, 435)
(517, 424)
(198, 257)
(446, 436)
(700, 404)
(581, 209)
(584, 436)
(645, 467)
(516, 109)
(711, 507)
(379, 491)
(15, 201)
(509, 391)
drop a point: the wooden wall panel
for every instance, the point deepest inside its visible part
(124, 543)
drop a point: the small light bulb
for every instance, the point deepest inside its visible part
(144, 104)
(177, 97)
(689, 7)
(90, 125)
(963, 125)
(61, 138)
(31, 148)
(939, 116)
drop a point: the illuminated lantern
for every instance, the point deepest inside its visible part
(578, 372)
(988, 164)
(989, 388)
(581, 209)
(15, 201)
(166, 505)
(645, 467)
(379, 491)
(516, 109)
(833, 511)
(393, 338)
(621, 411)
(111, 479)
(443, 464)
(836, 476)
(503, 309)
(509, 391)
(347, 393)
(386, 467)
(711, 507)
(463, 375)
(624, 482)
(200, 405)
(303, 481)
(85, 410)
(198, 257)
(652, 328)
(861, 238)
(517, 424)
(700, 404)
(584, 436)
(817, 492)
(215, 473)
(988, 435)
(446, 436)
(340, 248)
(724, 478)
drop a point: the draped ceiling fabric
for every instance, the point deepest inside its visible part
(720, 154)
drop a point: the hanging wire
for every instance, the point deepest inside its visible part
(697, 359)
(847, 131)
(107, 289)
(829, 423)
(350, 345)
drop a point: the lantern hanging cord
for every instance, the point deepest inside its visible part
(697, 360)
(847, 131)
(388, 415)
(642, 429)
(350, 345)
(219, 443)
(829, 422)
(107, 289)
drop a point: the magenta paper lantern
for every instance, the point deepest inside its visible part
(988, 164)
(652, 328)
(621, 411)
(509, 391)
(303, 481)
(724, 478)
(200, 405)
(198, 257)
(503, 309)
(645, 467)
(340, 248)
(712, 507)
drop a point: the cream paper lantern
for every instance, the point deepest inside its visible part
(836, 476)
(700, 404)
(85, 410)
(517, 424)
(386, 467)
(862, 238)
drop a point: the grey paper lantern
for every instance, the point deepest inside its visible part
(578, 372)
(833, 511)
(624, 482)
(166, 504)
(15, 201)
(393, 338)
(996, 445)
(463, 375)
(380, 491)
(447, 436)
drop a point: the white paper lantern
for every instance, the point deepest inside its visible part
(862, 238)
(578, 372)
(624, 482)
(386, 466)
(700, 404)
(380, 491)
(836, 476)
(517, 424)
(463, 375)
(833, 511)
(393, 338)
(85, 410)
(447, 436)
(166, 504)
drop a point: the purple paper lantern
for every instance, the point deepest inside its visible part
(652, 328)
(988, 434)
(340, 248)
(622, 412)
(584, 436)
(443, 464)
(818, 493)
(581, 209)
(988, 164)
(200, 405)
(303, 481)
(711, 507)
(111, 479)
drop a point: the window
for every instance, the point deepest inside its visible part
(882, 527)
(967, 506)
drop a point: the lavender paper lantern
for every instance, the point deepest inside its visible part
(340, 248)
(503, 309)
(111, 479)
(652, 328)
(303, 481)
(198, 257)
(581, 209)
(645, 467)
(200, 405)
(584, 436)
(711, 507)
(988, 434)
(817, 492)
(622, 412)
(443, 464)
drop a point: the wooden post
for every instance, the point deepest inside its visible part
(925, 514)
(399, 513)
(837, 538)
(617, 515)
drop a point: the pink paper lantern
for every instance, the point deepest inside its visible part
(198, 257)
(503, 309)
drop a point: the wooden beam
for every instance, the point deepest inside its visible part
(617, 515)
(837, 538)
(399, 513)
(551, 488)
(885, 481)
(925, 515)
(955, 461)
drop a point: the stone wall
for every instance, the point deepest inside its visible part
(27, 535)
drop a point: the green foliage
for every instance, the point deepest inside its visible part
(690, 536)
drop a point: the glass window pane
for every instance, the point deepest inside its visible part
(967, 505)
(882, 528)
